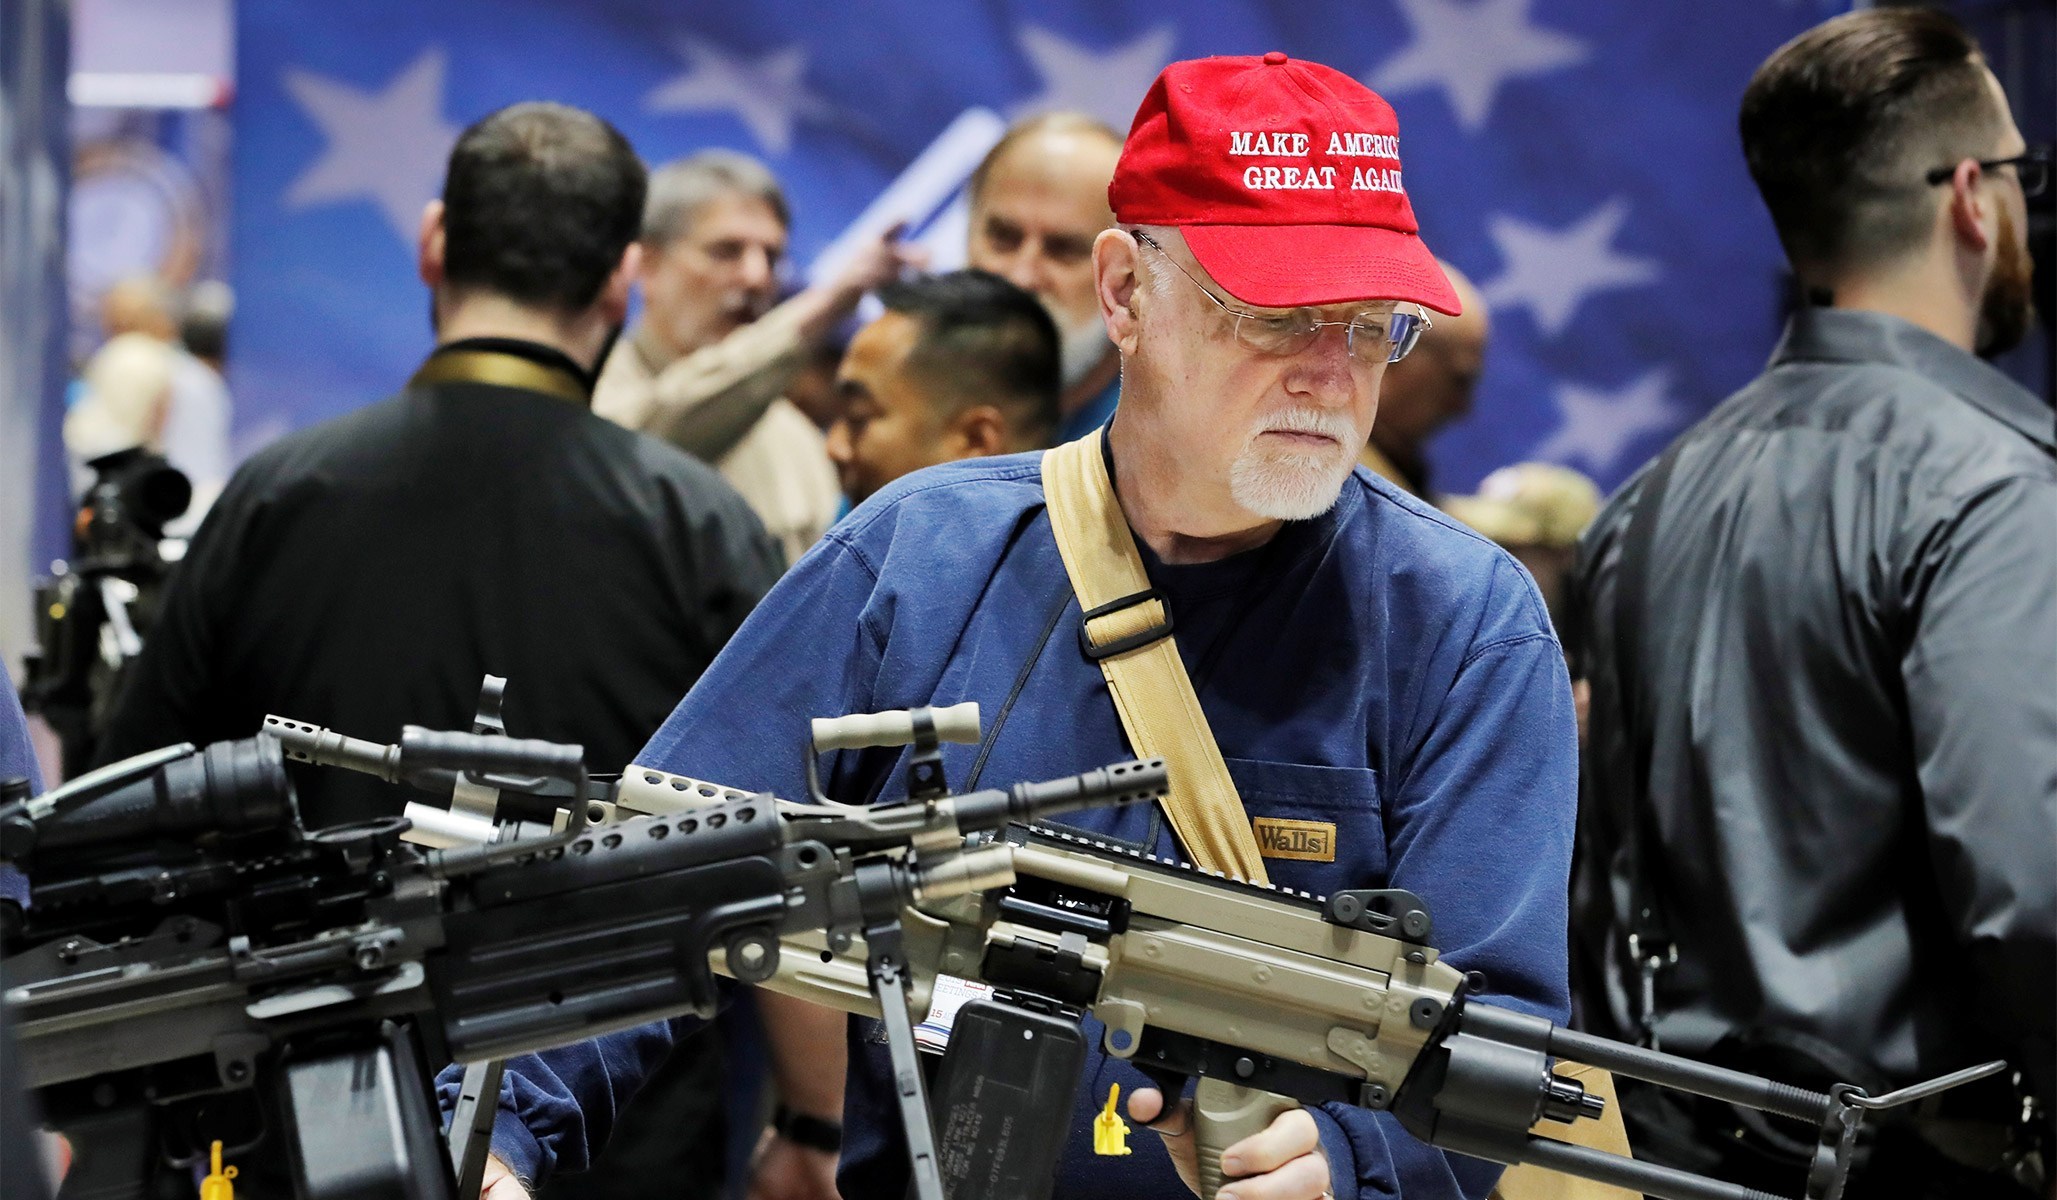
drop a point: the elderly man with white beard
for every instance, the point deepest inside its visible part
(1367, 668)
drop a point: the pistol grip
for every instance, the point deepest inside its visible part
(1225, 1113)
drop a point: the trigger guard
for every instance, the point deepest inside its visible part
(1173, 1085)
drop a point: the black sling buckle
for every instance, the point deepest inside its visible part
(1134, 641)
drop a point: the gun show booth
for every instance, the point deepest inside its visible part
(1419, 598)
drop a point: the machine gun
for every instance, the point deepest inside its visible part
(195, 967)
(334, 964)
(1268, 997)
(1271, 999)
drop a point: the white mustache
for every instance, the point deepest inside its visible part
(1311, 420)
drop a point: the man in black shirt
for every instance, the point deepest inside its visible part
(1821, 828)
(366, 574)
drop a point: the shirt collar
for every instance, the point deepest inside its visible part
(1294, 541)
(1854, 335)
(509, 362)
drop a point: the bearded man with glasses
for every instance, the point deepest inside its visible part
(1820, 838)
(1378, 679)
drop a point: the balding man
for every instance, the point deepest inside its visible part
(1428, 391)
(1037, 202)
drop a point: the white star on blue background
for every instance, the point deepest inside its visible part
(1599, 425)
(1551, 272)
(768, 94)
(389, 146)
(1469, 48)
(1108, 84)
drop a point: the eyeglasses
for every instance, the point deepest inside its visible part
(1385, 338)
(2031, 167)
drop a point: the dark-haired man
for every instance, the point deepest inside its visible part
(963, 365)
(1822, 637)
(366, 573)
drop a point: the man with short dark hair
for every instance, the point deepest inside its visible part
(368, 572)
(708, 366)
(963, 365)
(1822, 636)
(1037, 201)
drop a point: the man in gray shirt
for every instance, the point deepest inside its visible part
(1820, 836)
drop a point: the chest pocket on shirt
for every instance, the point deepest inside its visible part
(1303, 815)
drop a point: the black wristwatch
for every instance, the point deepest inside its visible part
(803, 1130)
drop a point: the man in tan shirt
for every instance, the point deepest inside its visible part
(707, 366)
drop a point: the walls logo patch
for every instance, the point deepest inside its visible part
(1307, 841)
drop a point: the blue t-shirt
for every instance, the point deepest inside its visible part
(1379, 668)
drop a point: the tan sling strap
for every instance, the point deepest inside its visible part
(1127, 630)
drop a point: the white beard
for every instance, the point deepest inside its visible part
(1081, 348)
(1294, 485)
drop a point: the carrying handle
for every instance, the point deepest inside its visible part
(897, 727)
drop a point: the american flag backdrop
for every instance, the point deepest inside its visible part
(1577, 158)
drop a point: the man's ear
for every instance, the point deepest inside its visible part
(1972, 217)
(614, 297)
(979, 431)
(429, 245)
(1115, 256)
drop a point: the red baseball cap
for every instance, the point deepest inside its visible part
(1284, 177)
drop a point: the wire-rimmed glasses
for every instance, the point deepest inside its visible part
(1388, 337)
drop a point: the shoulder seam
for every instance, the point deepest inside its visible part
(1516, 639)
(837, 536)
(1432, 515)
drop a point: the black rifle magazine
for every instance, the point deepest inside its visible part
(1003, 1101)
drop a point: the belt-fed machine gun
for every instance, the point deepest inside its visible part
(1273, 999)
(1270, 998)
(186, 940)
(193, 967)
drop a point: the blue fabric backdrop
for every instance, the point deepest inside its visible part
(1576, 157)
